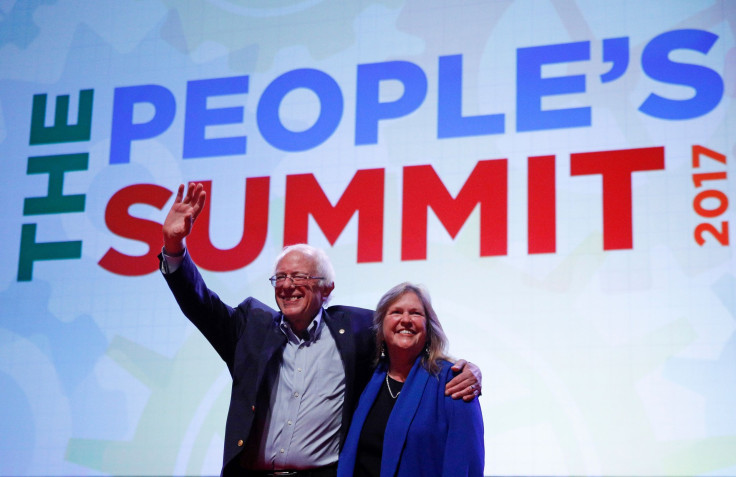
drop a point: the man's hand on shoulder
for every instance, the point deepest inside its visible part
(467, 384)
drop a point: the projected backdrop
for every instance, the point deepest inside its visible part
(557, 173)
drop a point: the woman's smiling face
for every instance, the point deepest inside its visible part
(405, 327)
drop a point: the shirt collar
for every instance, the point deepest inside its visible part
(314, 329)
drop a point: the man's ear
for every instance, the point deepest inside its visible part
(326, 290)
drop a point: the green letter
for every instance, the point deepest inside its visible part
(61, 131)
(31, 251)
(55, 202)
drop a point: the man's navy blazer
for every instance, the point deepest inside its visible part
(248, 338)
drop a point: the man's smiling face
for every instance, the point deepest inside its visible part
(299, 304)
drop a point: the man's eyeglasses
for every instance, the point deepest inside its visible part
(298, 279)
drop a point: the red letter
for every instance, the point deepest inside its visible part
(121, 223)
(542, 210)
(255, 226)
(422, 188)
(616, 168)
(364, 194)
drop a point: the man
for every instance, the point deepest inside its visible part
(298, 374)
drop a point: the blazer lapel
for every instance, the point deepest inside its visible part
(273, 341)
(342, 333)
(403, 413)
(350, 450)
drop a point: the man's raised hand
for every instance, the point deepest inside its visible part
(180, 219)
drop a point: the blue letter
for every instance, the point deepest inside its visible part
(330, 98)
(123, 129)
(198, 117)
(531, 87)
(450, 120)
(369, 110)
(615, 51)
(708, 85)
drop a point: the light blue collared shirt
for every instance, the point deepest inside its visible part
(302, 426)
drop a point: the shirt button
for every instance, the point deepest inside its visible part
(282, 451)
(296, 394)
(288, 422)
(299, 369)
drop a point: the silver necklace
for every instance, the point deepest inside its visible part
(389, 389)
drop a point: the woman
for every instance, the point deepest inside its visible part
(404, 424)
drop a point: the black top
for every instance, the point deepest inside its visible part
(370, 444)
